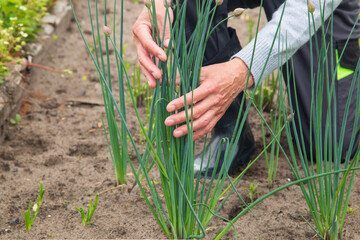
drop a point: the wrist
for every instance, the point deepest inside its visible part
(242, 71)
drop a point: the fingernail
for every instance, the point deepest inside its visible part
(178, 133)
(162, 57)
(166, 43)
(169, 122)
(171, 108)
(151, 84)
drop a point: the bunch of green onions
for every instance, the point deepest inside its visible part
(190, 203)
(327, 197)
(328, 180)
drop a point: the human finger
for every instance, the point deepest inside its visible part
(146, 62)
(205, 130)
(197, 111)
(192, 97)
(149, 77)
(142, 33)
(200, 126)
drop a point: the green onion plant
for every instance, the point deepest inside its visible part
(30, 218)
(117, 140)
(276, 123)
(326, 172)
(190, 203)
(183, 204)
(266, 92)
(252, 191)
(264, 99)
(327, 197)
(91, 209)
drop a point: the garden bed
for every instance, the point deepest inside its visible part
(60, 142)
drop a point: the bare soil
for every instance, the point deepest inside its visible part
(61, 143)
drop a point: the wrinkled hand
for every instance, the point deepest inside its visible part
(146, 46)
(219, 86)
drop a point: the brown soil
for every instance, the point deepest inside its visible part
(61, 143)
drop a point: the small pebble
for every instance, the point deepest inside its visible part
(5, 167)
(53, 114)
(73, 149)
(293, 215)
(80, 93)
(7, 155)
(87, 32)
(7, 230)
(49, 216)
(15, 220)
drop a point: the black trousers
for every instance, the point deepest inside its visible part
(223, 44)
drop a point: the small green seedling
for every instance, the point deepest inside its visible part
(349, 210)
(252, 191)
(29, 220)
(91, 209)
(16, 121)
(68, 71)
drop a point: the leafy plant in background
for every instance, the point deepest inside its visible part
(264, 96)
(251, 23)
(11, 40)
(266, 92)
(26, 13)
(276, 124)
(273, 156)
(143, 95)
(141, 91)
(30, 218)
(19, 23)
(350, 210)
(16, 121)
(91, 209)
(252, 191)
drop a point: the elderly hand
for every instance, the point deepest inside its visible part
(146, 46)
(219, 86)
